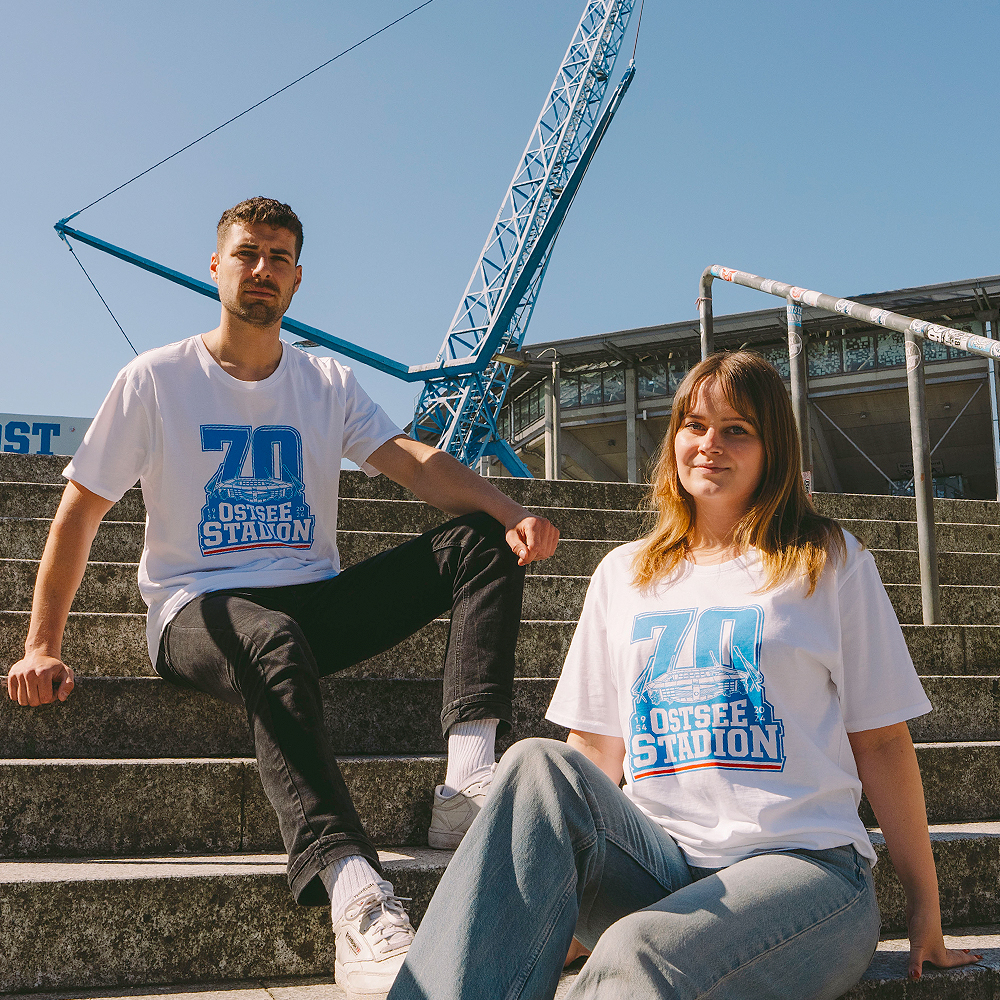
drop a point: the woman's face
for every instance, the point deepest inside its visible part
(719, 454)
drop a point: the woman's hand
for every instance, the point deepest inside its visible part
(927, 945)
(576, 950)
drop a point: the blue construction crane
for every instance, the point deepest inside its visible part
(459, 413)
(465, 387)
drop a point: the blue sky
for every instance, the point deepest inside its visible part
(845, 146)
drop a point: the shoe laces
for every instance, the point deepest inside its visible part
(382, 917)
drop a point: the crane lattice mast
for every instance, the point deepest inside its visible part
(459, 413)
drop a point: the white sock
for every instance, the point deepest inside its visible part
(344, 879)
(471, 749)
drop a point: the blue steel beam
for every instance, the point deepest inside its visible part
(460, 415)
(407, 373)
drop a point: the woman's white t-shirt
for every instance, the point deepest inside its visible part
(735, 703)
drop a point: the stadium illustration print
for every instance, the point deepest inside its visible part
(266, 509)
(712, 713)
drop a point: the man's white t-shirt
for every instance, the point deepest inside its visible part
(240, 479)
(735, 704)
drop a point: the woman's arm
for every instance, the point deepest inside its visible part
(607, 752)
(887, 766)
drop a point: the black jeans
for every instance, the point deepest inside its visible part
(266, 649)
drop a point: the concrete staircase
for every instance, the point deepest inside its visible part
(136, 845)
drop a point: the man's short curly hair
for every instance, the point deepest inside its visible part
(261, 211)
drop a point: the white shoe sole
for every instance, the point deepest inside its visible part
(340, 976)
(444, 841)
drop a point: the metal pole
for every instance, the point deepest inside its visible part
(923, 482)
(994, 409)
(553, 453)
(705, 322)
(799, 385)
(631, 444)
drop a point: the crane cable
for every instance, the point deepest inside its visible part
(159, 163)
(251, 108)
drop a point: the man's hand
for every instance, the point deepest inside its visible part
(532, 538)
(31, 680)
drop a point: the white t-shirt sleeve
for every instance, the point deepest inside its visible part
(366, 425)
(586, 695)
(880, 686)
(116, 447)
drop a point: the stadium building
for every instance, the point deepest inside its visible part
(615, 392)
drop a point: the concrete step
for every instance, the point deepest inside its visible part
(885, 979)
(41, 501)
(145, 716)
(363, 714)
(48, 469)
(903, 535)
(112, 587)
(91, 923)
(137, 806)
(903, 566)
(121, 542)
(114, 645)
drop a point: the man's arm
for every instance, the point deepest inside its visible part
(439, 479)
(30, 680)
(887, 766)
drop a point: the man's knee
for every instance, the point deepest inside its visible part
(480, 530)
(263, 640)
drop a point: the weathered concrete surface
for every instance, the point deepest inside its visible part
(885, 980)
(982, 568)
(112, 587)
(79, 808)
(121, 541)
(87, 808)
(140, 716)
(883, 508)
(967, 858)
(115, 923)
(161, 921)
(102, 644)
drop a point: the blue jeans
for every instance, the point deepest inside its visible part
(558, 850)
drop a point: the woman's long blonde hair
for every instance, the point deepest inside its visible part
(782, 524)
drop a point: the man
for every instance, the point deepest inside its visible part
(237, 441)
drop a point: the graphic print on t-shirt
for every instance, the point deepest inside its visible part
(711, 712)
(265, 509)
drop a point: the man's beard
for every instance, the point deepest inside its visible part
(258, 312)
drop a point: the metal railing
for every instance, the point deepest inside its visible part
(912, 330)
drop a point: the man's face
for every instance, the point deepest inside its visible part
(256, 272)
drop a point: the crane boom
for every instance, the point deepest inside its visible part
(460, 414)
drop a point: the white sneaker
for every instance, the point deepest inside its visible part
(372, 938)
(452, 816)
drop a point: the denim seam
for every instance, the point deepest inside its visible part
(555, 913)
(819, 923)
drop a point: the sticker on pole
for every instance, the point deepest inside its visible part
(912, 350)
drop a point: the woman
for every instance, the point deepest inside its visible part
(741, 666)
